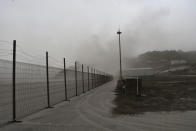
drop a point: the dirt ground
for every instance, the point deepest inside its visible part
(159, 93)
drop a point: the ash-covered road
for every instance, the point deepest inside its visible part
(92, 112)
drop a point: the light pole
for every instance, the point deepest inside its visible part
(119, 32)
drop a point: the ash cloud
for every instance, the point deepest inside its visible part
(85, 30)
(154, 28)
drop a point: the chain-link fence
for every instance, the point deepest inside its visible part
(27, 88)
(5, 91)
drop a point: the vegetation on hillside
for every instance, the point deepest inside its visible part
(157, 59)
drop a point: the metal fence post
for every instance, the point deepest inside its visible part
(76, 78)
(99, 77)
(65, 79)
(47, 78)
(92, 77)
(104, 77)
(83, 78)
(88, 77)
(14, 81)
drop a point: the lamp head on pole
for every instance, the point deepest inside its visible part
(119, 32)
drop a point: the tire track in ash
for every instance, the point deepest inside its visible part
(93, 109)
(104, 118)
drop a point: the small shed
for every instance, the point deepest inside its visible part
(138, 72)
(133, 79)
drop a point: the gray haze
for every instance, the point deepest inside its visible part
(85, 30)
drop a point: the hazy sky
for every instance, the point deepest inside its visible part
(86, 29)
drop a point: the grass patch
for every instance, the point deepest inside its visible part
(160, 93)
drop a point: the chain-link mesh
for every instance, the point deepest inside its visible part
(31, 86)
(79, 79)
(85, 71)
(31, 93)
(70, 74)
(91, 79)
(31, 82)
(5, 91)
(56, 85)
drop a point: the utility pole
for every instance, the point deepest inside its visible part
(119, 32)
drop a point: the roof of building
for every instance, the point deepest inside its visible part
(138, 72)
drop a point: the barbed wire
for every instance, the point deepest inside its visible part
(5, 41)
(6, 51)
(56, 66)
(20, 50)
(69, 61)
(21, 57)
(6, 54)
(37, 58)
(56, 62)
(54, 59)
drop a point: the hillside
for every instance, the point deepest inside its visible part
(179, 62)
